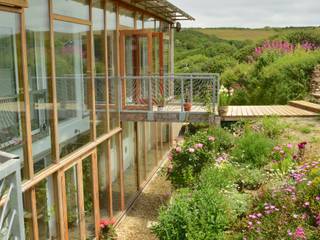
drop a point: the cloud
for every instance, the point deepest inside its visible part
(251, 13)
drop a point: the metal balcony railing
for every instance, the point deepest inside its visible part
(169, 93)
(11, 208)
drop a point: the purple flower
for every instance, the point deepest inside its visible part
(318, 198)
(306, 204)
(302, 145)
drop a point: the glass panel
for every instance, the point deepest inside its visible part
(100, 69)
(165, 138)
(126, 19)
(103, 179)
(115, 174)
(88, 197)
(71, 45)
(139, 22)
(11, 93)
(142, 157)
(37, 32)
(72, 8)
(73, 214)
(129, 165)
(45, 209)
(151, 147)
(112, 64)
(149, 23)
(157, 26)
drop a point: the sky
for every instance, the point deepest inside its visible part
(250, 13)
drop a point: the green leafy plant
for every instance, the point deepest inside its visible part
(253, 149)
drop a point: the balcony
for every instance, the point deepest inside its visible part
(171, 98)
(11, 208)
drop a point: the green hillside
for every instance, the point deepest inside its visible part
(242, 34)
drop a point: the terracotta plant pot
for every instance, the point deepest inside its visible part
(187, 106)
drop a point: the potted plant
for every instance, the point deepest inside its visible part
(187, 103)
(107, 231)
(161, 103)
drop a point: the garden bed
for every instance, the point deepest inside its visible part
(253, 180)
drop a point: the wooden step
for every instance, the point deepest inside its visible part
(312, 107)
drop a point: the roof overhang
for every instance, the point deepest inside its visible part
(163, 8)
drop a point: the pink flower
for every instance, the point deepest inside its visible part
(178, 149)
(211, 138)
(191, 150)
(299, 233)
(289, 145)
(199, 145)
(306, 204)
(318, 198)
(302, 145)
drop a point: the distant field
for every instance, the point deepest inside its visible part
(244, 34)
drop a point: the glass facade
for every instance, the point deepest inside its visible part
(72, 68)
(72, 8)
(69, 70)
(12, 102)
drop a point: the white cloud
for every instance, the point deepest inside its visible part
(250, 13)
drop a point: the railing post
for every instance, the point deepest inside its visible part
(213, 94)
(150, 107)
(120, 97)
(191, 89)
(182, 93)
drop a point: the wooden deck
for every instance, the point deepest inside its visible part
(234, 113)
(173, 113)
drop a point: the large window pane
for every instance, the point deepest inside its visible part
(37, 31)
(112, 64)
(88, 197)
(46, 210)
(103, 169)
(71, 49)
(126, 19)
(73, 212)
(149, 23)
(72, 8)
(151, 143)
(11, 91)
(129, 165)
(100, 68)
(115, 174)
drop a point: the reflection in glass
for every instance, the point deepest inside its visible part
(151, 143)
(141, 153)
(100, 69)
(115, 174)
(11, 93)
(126, 18)
(129, 165)
(103, 169)
(149, 23)
(71, 55)
(112, 63)
(73, 214)
(72, 8)
(45, 209)
(37, 32)
(88, 197)
(139, 21)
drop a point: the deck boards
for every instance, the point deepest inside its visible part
(234, 113)
(172, 113)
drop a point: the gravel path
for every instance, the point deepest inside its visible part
(145, 210)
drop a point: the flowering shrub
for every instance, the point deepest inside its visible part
(187, 160)
(283, 47)
(107, 231)
(291, 211)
